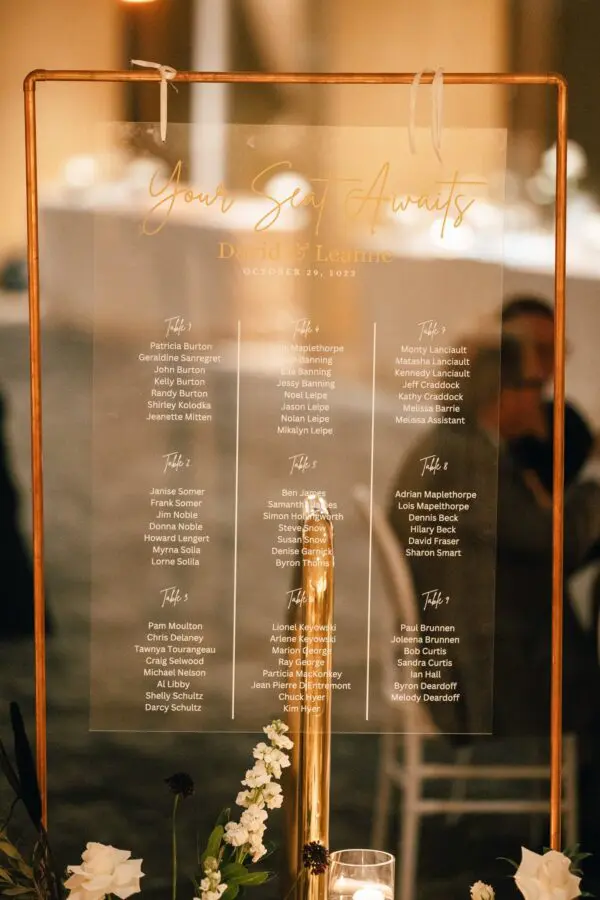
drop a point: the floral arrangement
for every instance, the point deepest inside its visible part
(550, 875)
(225, 867)
(232, 845)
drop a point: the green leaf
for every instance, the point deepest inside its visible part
(9, 772)
(232, 871)
(223, 817)
(231, 892)
(511, 861)
(5, 875)
(9, 850)
(26, 770)
(228, 855)
(214, 842)
(25, 869)
(17, 891)
(253, 879)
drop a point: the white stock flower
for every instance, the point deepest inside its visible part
(547, 876)
(258, 851)
(255, 836)
(213, 894)
(276, 732)
(246, 798)
(104, 870)
(263, 751)
(211, 886)
(482, 891)
(253, 818)
(257, 776)
(273, 758)
(235, 834)
(272, 795)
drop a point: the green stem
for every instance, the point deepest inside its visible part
(295, 884)
(174, 845)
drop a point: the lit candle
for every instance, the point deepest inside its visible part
(369, 893)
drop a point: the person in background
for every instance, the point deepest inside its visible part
(531, 321)
(506, 545)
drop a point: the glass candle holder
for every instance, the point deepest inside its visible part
(361, 875)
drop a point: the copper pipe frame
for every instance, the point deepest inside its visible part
(90, 75)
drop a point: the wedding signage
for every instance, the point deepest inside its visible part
(292, 328)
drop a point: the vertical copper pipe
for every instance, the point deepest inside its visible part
(35, 363)
(558, 472)
(311, 721)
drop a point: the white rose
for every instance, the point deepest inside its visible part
(482, 891)
(272, 795)
(235, 834)
(546, 877)
(104, 870)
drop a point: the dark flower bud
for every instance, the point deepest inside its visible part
(180, 784)
(315, 857)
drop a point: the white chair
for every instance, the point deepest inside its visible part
(402, 762)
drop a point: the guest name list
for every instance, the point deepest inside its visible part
(277, 437)
(433, 513)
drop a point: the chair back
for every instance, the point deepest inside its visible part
(400, 590)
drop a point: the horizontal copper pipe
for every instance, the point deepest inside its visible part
(550, 78)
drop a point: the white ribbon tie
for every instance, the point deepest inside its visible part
(167, 74)
(437, 110)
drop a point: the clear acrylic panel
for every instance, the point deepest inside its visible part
(297, 320)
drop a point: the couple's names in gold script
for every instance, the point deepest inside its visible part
(451, 199)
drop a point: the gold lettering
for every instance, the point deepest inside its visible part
(461, 210)
(374, 194)
(452, 202)
(274, 212)
(170, 191)
(297, 199)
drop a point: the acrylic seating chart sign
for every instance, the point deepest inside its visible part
(250, 346)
